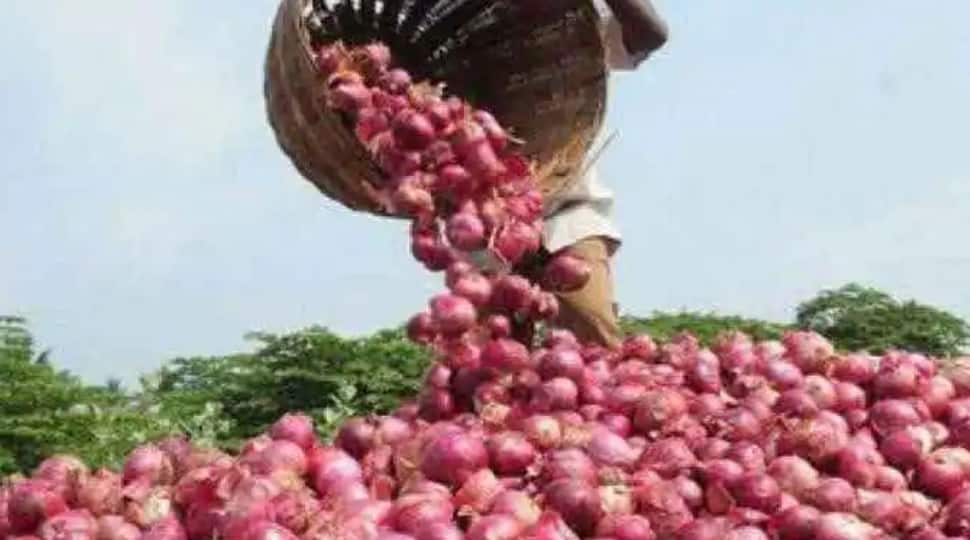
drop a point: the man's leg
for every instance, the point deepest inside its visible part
(590, 312)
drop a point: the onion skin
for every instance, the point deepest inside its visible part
(453, 457)
(796, 523)
(577, 502)
(757, 491)
(31, 503)
(494, 527)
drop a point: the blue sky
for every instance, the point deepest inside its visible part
(771, 150)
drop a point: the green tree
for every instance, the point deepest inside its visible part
(856, 318)
(313, 370)
(705, 326)
(44, 411)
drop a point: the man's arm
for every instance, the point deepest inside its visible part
(644, 31)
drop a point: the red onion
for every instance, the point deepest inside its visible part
(350, 97)
(505, 355)
(439, 531)
(624, 398)
(114, 527)
(331, 467)
(956, 515)
(757, 491)
(784, 375)
(542, 430)
(577, 502)
(641, 346)
(569, 463)
(99, 493)
(897, 381)
(392, 430)
(452, 457)
(748, 454)
(420, 329)
(834, 495)
(927, 533)
(510, 453)
(855, 464)
(796, 523)
(479, 491)
(412, 130)
(62, 473)
(565, 273)
(294, 510)
(550, 526)
(796, 402)
(73, 524)
(938, 393)
(843, 526)
(704, 406)
(495, 527)
(453, 314)
(690, 491)
(822, 391)
(816, 439)
(746, 533)
(657, 408)
(808, 350)
(668, 457)
(171, 529)
(149, 463)
(555, 394)
(267, 530)
(660, 503)
(436, 404)
(889, 415)
(466, 231)
(31, 503)
(476, 288)
(395, 81)
(794, 474)
(943, 472)
(278, 457)
(854, 368)
(849, 397)
(625, 528)
(385, 534)
(615, 496)
(890, 479)
(414, 512)
(905, 448)
(704, 528)
(562, 362)
(606, 448)
(518, 505)
(705, 374)
(740, 424)
(721, 471)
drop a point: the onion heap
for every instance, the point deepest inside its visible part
(549, 440)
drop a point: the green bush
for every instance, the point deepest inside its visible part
(705, 326)
(860, 318)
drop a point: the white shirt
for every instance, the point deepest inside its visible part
(586, 208)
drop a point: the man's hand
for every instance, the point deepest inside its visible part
(644, 31)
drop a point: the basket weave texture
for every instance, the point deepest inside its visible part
(539, 69)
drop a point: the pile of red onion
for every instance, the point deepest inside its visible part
(557, 440)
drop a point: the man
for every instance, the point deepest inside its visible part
(581, 219)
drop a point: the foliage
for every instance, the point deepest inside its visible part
(45, 412)
(705, 326)
(861, 318)
(314, 371)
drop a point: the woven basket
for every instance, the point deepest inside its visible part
(540, 70)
